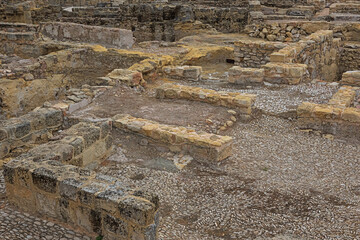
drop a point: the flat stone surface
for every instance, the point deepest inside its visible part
(15, 225)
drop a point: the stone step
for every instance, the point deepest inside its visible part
(239, 101)
(200, 145)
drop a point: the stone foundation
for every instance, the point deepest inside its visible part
(286, 73)
(246, 76)
(319, 51)
(189, 73)
(109, 37)
(34, 127)
(201, 145)
(351, 78)
(241, 102)
(40, 182)
(336, 117)
(254, 54)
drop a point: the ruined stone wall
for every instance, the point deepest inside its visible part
(353, 8)
(158, 22)
(337, 117)
(201, 145)
(218, 3)
(43, 79)
(320, 52)
(319, 4)
(109, 37)
(281, 31)
(254, 54)
(42, 182)
(293, 31)
(350, 57)
(34, 127)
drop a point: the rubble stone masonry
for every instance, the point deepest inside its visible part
(201, 145)
(45, 183)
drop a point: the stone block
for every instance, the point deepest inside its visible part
(47, 205)
(191, 73)
(351, 115)
(69, 188)
(243, 76)
(351, 78)
(116, 226)
(45, 179)
(86, 193)
(137, 210)
(126, 76)
(282, 73)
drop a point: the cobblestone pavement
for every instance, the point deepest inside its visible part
(15, 225)
(280, 183)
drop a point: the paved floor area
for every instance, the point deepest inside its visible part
(280, 183)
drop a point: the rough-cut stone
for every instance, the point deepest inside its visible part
(95, 203)
(240, 101)
(244, 76)
(199, 144)
(129, 77)
(351, 78)
(190, 73)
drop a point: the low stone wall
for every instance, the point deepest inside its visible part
(319, 51)
(319, 4)
(20, 37)
(39, 183)
(84, 145)
(351, 78)
(18, 27)
(336, 117)
(351, 7)
(190, 73)
(109, 37)
(350, 56)
(286, 73)
(156, 21)
(201, 145)
(241, 102)
(293, 31)
(344, 97)
(285, 31)
(254, 54)
(246, 76)
(34, 127)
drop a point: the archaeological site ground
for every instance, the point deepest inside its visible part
(179, 119)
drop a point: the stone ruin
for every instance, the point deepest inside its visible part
(59, 57)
